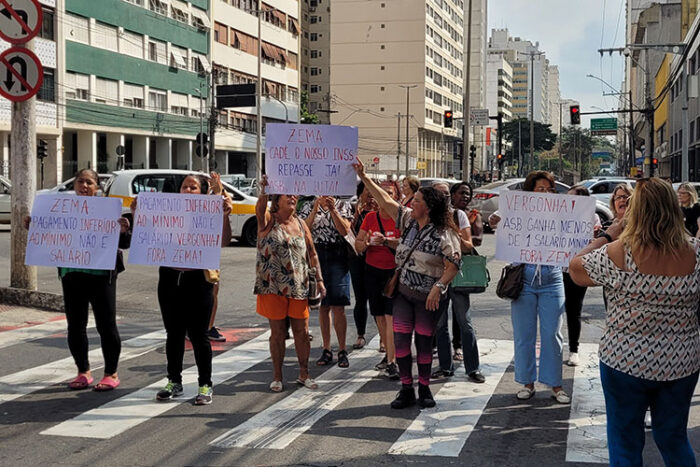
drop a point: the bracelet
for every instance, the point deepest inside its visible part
(606, 236)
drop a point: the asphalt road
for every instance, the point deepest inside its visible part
(347, 422)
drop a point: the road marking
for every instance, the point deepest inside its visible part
(280, 424)
(119, 415)
(34, 379)
(32, 333)
(443, 430)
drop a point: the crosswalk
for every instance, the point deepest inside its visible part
(441, 432)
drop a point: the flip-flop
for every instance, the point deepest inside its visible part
(107, 383)
(359, 343)
(307, 383)
(276, 386)
(81, 382)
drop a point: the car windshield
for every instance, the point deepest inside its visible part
(588, 183)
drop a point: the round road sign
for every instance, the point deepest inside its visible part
(21, 74)
(20, 20)
(375, 160)
(121, 150)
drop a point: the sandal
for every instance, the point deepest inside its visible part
(561, 397)
(81, 382)
(307, 383)
(326, 358)
(276, 386)
(343, 359)
(382, 349)
(107, 383)
(458, 356)
(525, 393)
(360, 343)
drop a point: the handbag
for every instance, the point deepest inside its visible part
(391, 286)
(511, 282)
(314, 295)
(473, 276)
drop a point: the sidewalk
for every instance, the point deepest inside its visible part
(14, 317)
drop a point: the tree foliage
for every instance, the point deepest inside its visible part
(304, 114)
(520, 137)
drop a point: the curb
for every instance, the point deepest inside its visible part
(32, 299)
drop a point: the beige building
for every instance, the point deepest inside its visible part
(367, 57)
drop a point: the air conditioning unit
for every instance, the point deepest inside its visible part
(661, 151)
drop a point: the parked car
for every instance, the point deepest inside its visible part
(5, 200)
(602, 188)
(428, 181)
(126, 184)
(486, 198)
(67, 186)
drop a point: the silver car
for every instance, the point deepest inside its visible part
(5, 200)
(602, 188)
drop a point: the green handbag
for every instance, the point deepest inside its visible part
(473, 276)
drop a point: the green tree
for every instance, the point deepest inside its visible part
(306, 116)
(517, 133)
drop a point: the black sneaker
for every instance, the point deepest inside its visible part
(381, 365)
(425, 397)
(204, 395)
(405, 398)
(476, 377)
(169, 391)
(214, 335)
(391, 371)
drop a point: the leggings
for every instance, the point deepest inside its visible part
(185, 299)
(357, 272)
(574, 295)
(80, 290)
(409, 315)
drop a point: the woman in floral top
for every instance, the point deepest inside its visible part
(429, 230)
(282, 280)
(650, 350)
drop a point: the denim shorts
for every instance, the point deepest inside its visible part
(335, 271)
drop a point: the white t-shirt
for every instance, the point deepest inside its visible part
(462, 219)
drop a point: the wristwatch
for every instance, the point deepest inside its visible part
(442, 287)
(606, 236)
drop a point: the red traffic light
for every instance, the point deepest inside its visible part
(575, 115)
(655, 161)
(447, 121)
(499, 157)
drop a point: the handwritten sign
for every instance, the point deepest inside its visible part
(310, 159)
(74, 231)
(543, 228)
(177, 230)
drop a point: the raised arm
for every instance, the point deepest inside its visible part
(261, 213)
(384, 200)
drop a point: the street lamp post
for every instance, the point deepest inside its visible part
(408, 88)
(201, 123)
(258, 99)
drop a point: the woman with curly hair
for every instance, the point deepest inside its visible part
(430, 242)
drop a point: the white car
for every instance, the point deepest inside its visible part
(5, 200)
(67, 186)
(602, 188)
(126, 184)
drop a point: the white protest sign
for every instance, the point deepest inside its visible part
(74, 231)
(177, 230)
(310, 159)
(543, 228)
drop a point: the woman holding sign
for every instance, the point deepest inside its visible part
(285, 249)
(96, 287)
(427, 257)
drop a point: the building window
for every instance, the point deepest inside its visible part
(313, 19)
(315, 71)
(221, 33)
(136, 2)
(179, 15)
(293, 95)
(314, 37)
(244, 42)
(159, 7)
(158, 101)
(46, 31)
(292, 60)
(314, 88)
(47, 91)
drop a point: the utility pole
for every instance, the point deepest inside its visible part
(213, 121)
(531, 158)
(258, 98)
(520, 148)
(466, 112)
(398, 147)
(633, 160)
(561, 156)
(23, 175)
(408, 88)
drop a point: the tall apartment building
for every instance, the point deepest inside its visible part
(477, 86)
(499, 86)
(366, 58)
(235, 61)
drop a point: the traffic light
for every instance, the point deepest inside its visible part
(575, 114)
(448, 119)
(201, 149)
(499, 158)
(653, 166)
(42, 149)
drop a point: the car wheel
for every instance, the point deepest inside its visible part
(249, 236)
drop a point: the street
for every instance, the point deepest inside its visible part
(347, 421)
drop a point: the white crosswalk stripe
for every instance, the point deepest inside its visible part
(32, 333)
(27, 381)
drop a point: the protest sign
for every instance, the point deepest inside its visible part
(177, 230)
(74, 231)
(310, 159)
(543, 228)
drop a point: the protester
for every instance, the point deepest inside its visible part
(650, 349)
(329, 221)
(365, 204)
(542, 297)
(429, 239)
(285, 249)
(688, 199)
(409, 187)
(186, 297)
(379, 237)
(96, 287)
(618, 203)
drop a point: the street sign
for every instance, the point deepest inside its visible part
(20, 20)
(603, 126)
(235, 95)
(421, 165)
(121, 150)
(479, 117)
(376, 160)
(601, 155)
(21, 73)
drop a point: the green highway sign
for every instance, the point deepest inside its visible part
(603, 126)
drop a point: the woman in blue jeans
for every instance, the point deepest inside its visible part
(650, 350)
(542, 298)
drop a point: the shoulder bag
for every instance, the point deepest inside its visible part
(511, 282)
(392, 285)
(473, 276)
(313, 296)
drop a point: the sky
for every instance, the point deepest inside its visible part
(570, 32)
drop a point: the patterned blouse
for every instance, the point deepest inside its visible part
(652, 323)
(323, 229)
(425, 265)
(281, 267)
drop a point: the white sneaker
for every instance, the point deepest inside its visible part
(573, 359)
